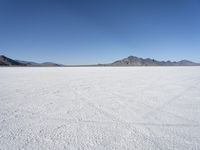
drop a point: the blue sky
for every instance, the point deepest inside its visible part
(99, 31)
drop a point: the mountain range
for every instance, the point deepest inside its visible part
(5, 61)
(136, 61)
(129, 61)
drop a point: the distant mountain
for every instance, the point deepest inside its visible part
(50, 64)
(5, 61)
(27, 62)
(136, 61)
(45, 64)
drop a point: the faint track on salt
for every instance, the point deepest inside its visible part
(175, 98)
(116, 120)
(153, 109)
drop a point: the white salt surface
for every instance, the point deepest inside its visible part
(100, 108)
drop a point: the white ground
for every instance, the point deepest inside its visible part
(100, 108)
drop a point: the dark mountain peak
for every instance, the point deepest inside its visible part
(5, 61)
(2, 56)
(132, 57)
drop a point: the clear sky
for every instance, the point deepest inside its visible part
(99, 31)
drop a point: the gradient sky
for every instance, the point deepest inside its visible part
(99, 31)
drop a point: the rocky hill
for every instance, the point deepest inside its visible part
(5, 61)
(136, 61)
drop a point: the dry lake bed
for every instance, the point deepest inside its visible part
(97, 108)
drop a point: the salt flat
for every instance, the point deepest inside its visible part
(100, 108)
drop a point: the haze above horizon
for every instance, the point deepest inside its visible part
(92, 32)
